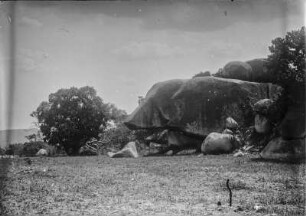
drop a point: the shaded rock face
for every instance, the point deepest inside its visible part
(262, 124)
(217, 143)
(280, 149)
(179, 139)
(158, 137)
(199, 106)
(293, 124)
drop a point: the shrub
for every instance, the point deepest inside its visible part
(116, 137)
(14, 149)
(31, 148)
(52, 150)
(2, 151)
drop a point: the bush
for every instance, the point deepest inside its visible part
(117, 137)
(2, 151)
(52, 150)
(31, 148)
(14, 149)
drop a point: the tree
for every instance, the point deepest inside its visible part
(70, 117)
(114, 114)
(31, 137)
(287, 59)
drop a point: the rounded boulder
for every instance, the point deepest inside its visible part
(236, 70)
(217, 143)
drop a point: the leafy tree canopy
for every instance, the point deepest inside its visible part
(71, 116)
(113, 113)
(287, 59)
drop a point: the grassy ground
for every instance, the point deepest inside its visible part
(178, 185)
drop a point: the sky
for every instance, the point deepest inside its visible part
(121, 48)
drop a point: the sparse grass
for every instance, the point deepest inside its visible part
(178, 185)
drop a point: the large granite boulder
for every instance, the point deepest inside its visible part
(260, 72)
(253, 70)
(236, 70)
(217, 143)
(199, 106)
(178, 141)
(157, 108)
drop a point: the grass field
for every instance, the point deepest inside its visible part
(178, 185)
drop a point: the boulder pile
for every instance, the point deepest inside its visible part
(207, 112)
(199, 106)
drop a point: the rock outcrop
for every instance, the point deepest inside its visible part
(199, 106)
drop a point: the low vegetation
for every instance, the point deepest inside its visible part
(29, 149)
(179, 185)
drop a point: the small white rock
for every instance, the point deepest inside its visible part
(258, 208)
(238, 154)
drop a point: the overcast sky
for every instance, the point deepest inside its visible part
(122, 48)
